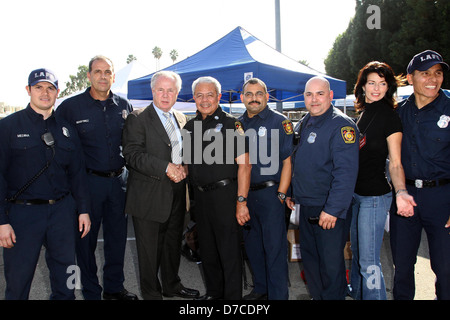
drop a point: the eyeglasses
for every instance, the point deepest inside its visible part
(250, 95)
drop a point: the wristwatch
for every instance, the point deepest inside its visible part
(241, 199)
(281, 196)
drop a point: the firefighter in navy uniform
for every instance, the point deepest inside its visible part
(42, 185)
(99, 117)
(265, 237)
(220, 178)
(425, 116)
(325, 168)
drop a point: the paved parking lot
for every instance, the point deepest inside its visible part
(191, 273)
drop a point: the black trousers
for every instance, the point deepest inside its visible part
(159, 249)
(220, 241)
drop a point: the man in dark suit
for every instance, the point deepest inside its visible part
(156, 190)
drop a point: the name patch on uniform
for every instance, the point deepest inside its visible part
(82, 121)
(23, 135)
(348, 134)
(287, 125)
(239, 128)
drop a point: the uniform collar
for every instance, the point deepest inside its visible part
(216, 113)
(112, 97)
(263, 114)
(436, 103)
(319, 120)
(34, 116)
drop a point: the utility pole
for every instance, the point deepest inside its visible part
(277, 25)
(278, 40)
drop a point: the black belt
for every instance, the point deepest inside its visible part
(418, 183)
(36, 201)
(216, 185)
(263, 185)
(108, 174)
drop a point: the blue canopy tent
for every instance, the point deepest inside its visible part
(232, 60)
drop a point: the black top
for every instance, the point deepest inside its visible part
(215, 142)
(378, 121)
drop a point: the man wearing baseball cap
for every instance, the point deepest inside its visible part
(425, 117)
(42, 185)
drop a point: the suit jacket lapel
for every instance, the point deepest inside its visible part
(156, 123)
(181, 120)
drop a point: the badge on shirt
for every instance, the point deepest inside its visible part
(287, 125)
(262, 131)
(348, 134)
(443, 121)
(218, 127)
(239, 128)
(312, 137)
(65, 132)
(124, 114)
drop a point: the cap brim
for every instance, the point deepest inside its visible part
(43, 80)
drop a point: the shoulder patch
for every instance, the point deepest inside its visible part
(287, 125)
(239, 128)
(348, 134)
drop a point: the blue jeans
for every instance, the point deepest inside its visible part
(366, 236)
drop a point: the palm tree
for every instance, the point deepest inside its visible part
(173, 55)
(157, 53)
(131, 58)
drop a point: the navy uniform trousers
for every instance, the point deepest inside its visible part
(266, 243)
(322, 253)
(107, 208)
(431, 215)
(52, 226)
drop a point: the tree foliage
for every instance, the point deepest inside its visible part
(407, 28)
(76, 83)
(173, 55)
(157, 53)
(131, 58)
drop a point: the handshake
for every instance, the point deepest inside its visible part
(176, 172)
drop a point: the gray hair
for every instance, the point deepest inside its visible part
(167, 74)
(100, 57)
(207, 80)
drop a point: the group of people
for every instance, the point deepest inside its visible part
(93, 161)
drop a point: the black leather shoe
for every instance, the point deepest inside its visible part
(206, 297)
(183, 293)
(122, 295)
(255, 296)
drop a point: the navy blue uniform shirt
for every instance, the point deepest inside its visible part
(426, 138)
(265, 130)
(23, 154)
(326, 162)
(99, 125)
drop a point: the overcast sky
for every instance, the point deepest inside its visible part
(62, 35)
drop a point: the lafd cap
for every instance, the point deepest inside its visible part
(42, 74)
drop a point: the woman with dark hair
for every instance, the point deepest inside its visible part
(380, 139)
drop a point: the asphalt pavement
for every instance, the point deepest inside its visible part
(191, 273)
